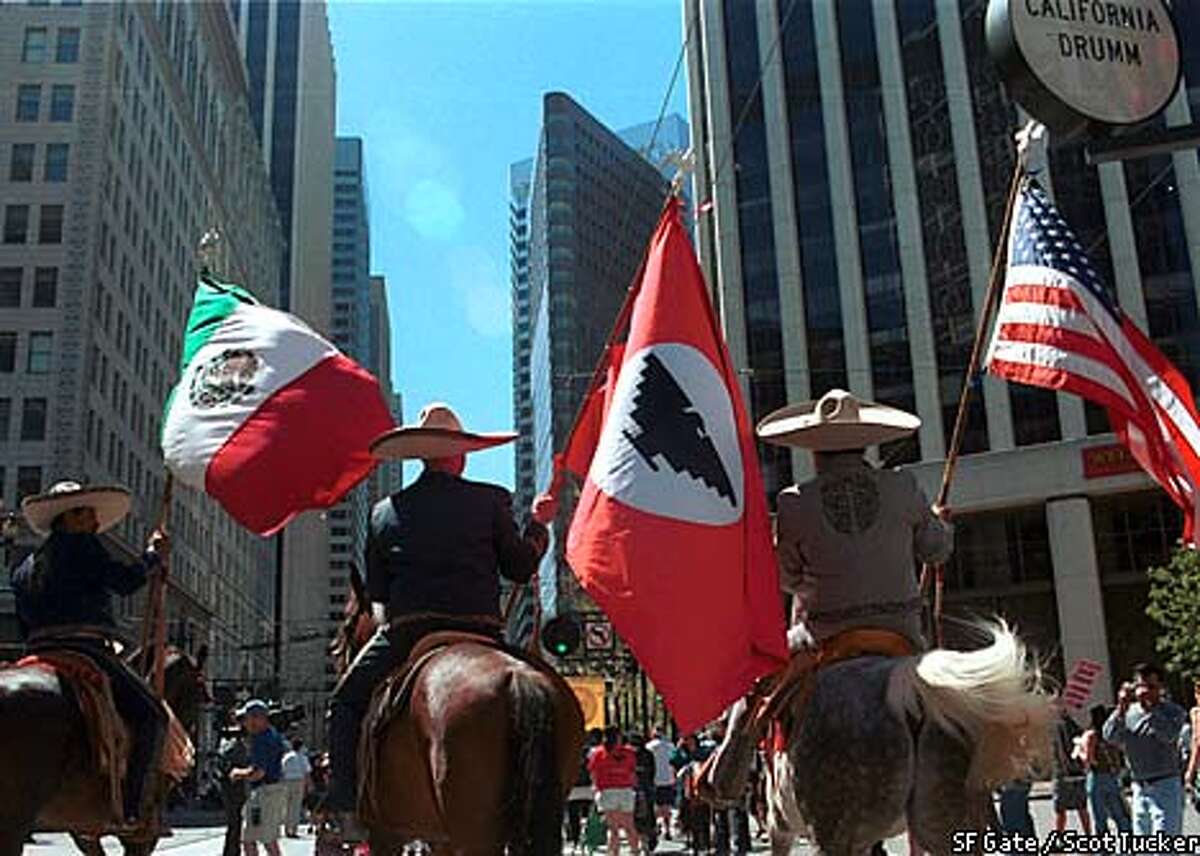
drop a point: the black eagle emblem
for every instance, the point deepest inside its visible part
(671, 427)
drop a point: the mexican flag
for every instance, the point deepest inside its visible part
(268, 418)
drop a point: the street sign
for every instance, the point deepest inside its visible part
(1079, 686)
(598, 636)
(1086, 64)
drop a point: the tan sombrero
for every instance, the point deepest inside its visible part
(110, 502)
(438, 433)
(836, 421)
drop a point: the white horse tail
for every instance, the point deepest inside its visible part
(991, 699)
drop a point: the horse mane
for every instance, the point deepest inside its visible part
(357, 623)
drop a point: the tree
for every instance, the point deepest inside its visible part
(1175, 607)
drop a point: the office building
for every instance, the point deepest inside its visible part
(857, 194)
(125, 134)
(352, 328)
(288, 56)
(591, 206)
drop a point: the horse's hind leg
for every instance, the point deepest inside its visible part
(940, 803)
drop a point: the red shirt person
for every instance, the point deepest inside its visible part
(613, 766)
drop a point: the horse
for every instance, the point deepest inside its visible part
(481, 760)
(43, 736)
(885, 744)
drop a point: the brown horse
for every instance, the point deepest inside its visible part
(482, 759)
(51, 776)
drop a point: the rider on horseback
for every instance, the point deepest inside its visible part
(433, 552)
(846, 542)
(64, 602)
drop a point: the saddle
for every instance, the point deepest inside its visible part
(394, 696)
(108, 734)
(796, 680)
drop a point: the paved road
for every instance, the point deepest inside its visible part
(206, 841)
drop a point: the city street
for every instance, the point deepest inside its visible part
(206, 841)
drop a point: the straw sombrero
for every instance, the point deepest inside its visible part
(438, 433)
(836, 421)
(110, 502)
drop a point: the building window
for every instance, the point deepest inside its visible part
(29, 102)
(5, 418)
(10, 287)
(16, 224)
(67, 47)
(62, 103)
(45, 287)
(994, 550)
(56, 162)
(1134, 532)
(33, 419)
(50, 224)
(29, 481)
(40, 346)
(34, 49)
(8, 352)
(20, 165)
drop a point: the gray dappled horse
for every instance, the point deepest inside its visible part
(889, 743)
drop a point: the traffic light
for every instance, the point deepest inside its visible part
(561, 635)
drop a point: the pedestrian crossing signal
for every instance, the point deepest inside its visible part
(561, 635)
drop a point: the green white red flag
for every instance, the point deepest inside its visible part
(268, 418)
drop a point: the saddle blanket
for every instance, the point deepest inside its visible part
(107, 732)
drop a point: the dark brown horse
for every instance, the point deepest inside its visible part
(483, 758)
(50, 780)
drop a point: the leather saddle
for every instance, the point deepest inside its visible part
(393, 697)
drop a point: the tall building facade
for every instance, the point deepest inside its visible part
(591, 207)
(125, 134)
(655, 142)
(388, 476)
(288, 56)
(858, 155)
(520, 176)
(352, 333)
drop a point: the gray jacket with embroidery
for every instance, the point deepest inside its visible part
(849, 543)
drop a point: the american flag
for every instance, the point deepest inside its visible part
(1059, 328)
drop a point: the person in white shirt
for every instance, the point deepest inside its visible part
(296, 777)
(662, 749)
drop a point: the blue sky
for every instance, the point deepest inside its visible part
(446, 95)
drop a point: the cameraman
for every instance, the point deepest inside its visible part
(1147, 727)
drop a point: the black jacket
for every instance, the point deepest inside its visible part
(441, 544)
(70, 579)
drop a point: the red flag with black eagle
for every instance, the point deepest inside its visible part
(671, 536)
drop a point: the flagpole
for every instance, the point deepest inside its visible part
(991, 297)
(155, 622)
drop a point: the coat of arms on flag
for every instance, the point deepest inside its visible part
(268, 417)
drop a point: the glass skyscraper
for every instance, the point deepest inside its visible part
(858, 155)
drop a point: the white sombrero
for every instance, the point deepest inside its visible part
(438, 433)
(110, 502)
(836, 421)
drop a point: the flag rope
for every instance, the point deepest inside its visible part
(936, 573)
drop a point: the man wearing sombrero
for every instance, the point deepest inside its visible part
(435, 554)
(848, 542)
(64, 595)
